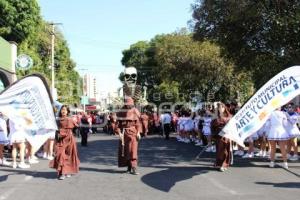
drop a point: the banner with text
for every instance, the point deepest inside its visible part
(275, 93)
(28, 104)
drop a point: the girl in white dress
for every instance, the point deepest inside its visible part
(293, 131)
(206, 130)
(17, 138)
(197, 119)
(188, 129)
(276, 132)
(180, 129)
(3, 140)
(261, 133)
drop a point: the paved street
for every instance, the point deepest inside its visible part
(168, 171)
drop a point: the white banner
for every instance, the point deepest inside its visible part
(275, 93)
(29, 105)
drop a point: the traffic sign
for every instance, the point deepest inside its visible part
(84, 100)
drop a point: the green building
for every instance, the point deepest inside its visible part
(8, 55)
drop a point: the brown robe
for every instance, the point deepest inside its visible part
(145, 123)
(223, 153)
(128, 122)
(66, 159)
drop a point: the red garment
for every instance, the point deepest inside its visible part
(66, 159)
(223, 153)
(128, 122)
(145, 123)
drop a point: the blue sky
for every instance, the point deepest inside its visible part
(98, 30)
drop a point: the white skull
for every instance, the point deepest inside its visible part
(130, 76)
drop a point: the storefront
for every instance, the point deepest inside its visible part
(8, 55)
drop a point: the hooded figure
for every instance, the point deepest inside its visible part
(128, 127)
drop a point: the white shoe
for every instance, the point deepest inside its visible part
(34, 157)
(14, 165)
(23, 166)
(213, 149)
(42, 155)
(209, 149)
(294, 157)
(50, 157)
(198, 144)
(248, 155)
(33, 161)
(285, 165)
(272, 164)
(259, 154)
(264, 155)
(5, 163)
(235, 147)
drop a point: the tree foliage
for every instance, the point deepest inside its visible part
(174, 67)
(21, 22)
(18, 19)
(262, 37)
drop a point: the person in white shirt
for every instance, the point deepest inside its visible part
(166, 123)
(276, 133)
(17, 137)
(293, 131)
(207, 119)
(3, 140)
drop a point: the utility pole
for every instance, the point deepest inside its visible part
(52, 55)
(83, 87)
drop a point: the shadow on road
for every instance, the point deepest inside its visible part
(110, 171)
(45, 175)
(153, 151)
(289, 185)
(165, 179)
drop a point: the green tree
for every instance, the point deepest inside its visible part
(177, 66)
(18, 18)
(262, 37)
(21, 22)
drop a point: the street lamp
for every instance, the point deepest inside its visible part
(52, 57)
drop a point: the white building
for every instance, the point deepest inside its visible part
(90, 87)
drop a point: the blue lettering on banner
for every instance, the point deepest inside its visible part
(263, 98)
(286, 93)
(247, 128)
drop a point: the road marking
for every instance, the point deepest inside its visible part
(220, 185)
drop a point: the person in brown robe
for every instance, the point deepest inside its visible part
(223, 153)
(128, 127)
(66, 160)
(145, 124)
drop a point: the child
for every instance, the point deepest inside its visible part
(293, 131)
(207, 131)
(66, 160)
(3, 140)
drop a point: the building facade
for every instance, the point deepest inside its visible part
(8, 56)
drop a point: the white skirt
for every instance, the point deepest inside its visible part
(206, 130)
(276, 134)
(17, 137)
(293, 133)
